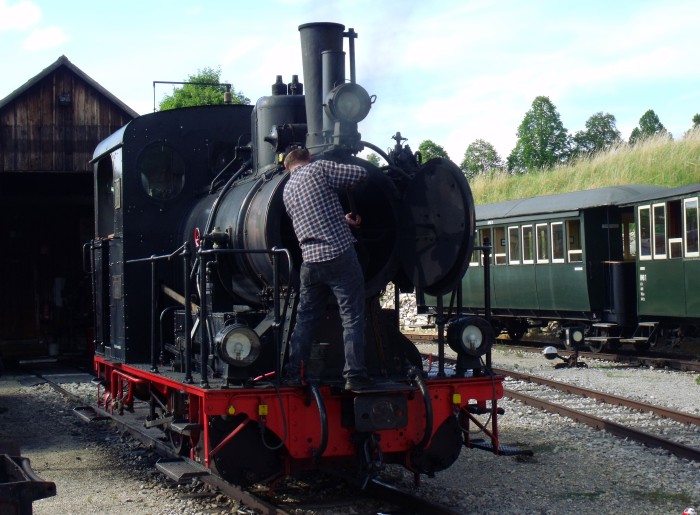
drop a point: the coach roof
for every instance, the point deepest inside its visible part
(564, 203)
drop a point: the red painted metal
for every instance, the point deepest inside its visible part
(300, 420)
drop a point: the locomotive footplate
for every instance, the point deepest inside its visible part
(181, 470)
(503, 450)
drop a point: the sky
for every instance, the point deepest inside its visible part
(451, 71)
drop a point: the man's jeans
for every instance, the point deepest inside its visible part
(343, 277)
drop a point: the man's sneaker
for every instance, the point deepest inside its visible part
(358, 383)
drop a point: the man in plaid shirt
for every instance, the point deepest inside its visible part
(329, 260)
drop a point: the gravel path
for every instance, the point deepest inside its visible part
(574, 470)
(95, 469)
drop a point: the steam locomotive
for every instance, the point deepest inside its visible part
(195, 270)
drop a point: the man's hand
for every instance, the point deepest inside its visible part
(354, 220)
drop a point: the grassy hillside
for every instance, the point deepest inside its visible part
(657, 161)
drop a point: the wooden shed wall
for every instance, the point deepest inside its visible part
(38, 134)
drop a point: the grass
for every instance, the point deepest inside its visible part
(657, 161)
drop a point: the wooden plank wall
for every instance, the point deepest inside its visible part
(38, 134)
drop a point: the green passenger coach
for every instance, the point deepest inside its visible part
(620, 262)
(668, 257)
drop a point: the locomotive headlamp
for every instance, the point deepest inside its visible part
(472, 336)
(348, 103)
(237, 345)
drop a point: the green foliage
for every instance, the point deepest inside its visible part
(374, 159)
(480, 157)
(197, 95)
(430, 150)
(696, 121)
(649, 125)
(599, 135)
(543, 141)
(657, 160)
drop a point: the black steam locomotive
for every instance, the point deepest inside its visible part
(195, 274)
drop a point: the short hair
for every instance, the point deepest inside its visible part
(298, 155)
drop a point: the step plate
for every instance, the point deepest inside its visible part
(179, 470)
(89, 414)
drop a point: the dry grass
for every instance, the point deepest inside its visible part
(657, 161)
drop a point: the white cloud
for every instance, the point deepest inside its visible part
(19, 16)
(41, 39)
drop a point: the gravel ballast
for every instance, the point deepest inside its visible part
(575, 469)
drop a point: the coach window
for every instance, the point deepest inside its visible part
(474, 261)
(557, 242)
(513, 245)
(675, 230)
(629, 232)
(528, 245)
(573, 231)
(659, 230)
(484, 238)
(499, 245)
(690, 227)
(542, 243)
(644, 232)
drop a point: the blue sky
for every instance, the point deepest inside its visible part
(449, 71)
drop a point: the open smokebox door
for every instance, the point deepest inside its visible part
(437, 229)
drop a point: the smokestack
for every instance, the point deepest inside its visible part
(317, 38)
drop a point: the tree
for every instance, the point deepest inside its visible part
(696, 121)
(543, 141)
(198, 95)
(480, 157)
(600, 134)
(374, 159)
(649, 125)
(430, 150)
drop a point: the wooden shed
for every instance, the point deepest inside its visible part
(49, 128)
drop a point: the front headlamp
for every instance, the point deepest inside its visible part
(237, 345)
(472, 336)
(348, 103)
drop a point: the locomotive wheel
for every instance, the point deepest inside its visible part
(179, 443)
(246, 458)
(443, 451)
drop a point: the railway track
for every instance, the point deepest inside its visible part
(656, 359)
(683, 426)
(132, 424)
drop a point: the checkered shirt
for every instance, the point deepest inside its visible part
(311, 199)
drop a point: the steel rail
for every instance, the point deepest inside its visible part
(606, 398)
(405, 500)
(674, 362)
(680, 450)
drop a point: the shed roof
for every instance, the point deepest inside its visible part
(63, 61)
(564, 202)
